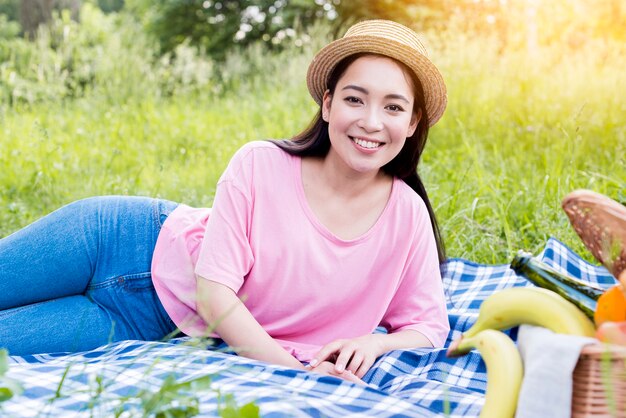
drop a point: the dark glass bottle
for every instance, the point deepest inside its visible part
(581, 294)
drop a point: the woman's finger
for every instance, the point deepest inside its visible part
(343, 358)
(366, 364)
(325, 352)
(327, 368)
(350, 377)
(355, 362)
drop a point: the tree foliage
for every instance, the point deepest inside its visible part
(31, 14)
(419, 14)
(9, 8)
(34, 13)
(108, 6)
(218, 25)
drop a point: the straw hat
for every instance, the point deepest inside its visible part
(387, 38)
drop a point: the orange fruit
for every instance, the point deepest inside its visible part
(611, 306)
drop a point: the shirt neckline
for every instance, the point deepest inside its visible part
(304, 203)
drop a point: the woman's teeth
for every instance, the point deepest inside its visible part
(366, 144)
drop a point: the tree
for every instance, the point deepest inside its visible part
(418, 14)
(72, 5)
(108, 6)
(218, 25)
(34, 13)
(10, 8)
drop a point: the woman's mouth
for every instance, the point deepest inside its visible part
(367, 144)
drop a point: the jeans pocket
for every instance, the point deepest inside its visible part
(163, 209)
(133, 304)
(139, 282)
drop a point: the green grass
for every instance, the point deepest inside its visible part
(520, 132)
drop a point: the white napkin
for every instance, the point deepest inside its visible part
(549, 362)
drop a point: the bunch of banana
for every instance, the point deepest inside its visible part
(506, 309)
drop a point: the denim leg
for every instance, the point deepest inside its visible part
(71, 323)
(81, 276)
(51, 258)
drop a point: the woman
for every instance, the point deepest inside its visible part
(323, 237)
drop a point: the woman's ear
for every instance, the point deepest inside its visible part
(326, 100)
(415, 120)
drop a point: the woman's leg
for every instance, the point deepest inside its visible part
(71, 323)
(122, 283)
(48, 259)
(81, 276)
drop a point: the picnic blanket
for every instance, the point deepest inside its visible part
(185, 378)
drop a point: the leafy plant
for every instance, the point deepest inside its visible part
(8, 29)
(8, 387)
(228, 408)
(174, 399)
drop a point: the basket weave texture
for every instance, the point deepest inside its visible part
(601, 224)
(600, 382)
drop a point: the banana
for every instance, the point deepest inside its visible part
(531, 305)
(504, 371)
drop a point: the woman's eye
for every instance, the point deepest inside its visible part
(395, 108)
(352, 99)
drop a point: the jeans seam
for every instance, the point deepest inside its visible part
(121, 280)
(158, 212)
(155, 216)
(25, 307)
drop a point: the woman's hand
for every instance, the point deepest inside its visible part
(328, 368)
(355, 355)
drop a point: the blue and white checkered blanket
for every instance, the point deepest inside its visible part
(135, 378)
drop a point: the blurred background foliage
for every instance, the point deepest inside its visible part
(55, 49)
(152, 97)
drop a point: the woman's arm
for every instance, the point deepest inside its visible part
(357, 355)
(220, 307)
(405, 339)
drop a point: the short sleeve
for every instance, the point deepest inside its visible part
(225, 255)
(419, 302)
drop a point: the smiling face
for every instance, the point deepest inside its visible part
(370, 114)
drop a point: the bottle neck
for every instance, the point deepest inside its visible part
(525, 264)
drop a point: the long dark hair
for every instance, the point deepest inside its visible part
(315, 142)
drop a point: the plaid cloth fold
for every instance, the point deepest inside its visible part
(132, 378)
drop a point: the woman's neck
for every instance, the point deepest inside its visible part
(347, 182)
(335, 196)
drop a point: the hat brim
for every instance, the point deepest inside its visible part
(431, 79)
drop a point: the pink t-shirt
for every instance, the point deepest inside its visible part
(304, 285)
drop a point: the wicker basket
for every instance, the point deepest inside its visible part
(600, 382)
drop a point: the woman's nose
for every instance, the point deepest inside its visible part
(370, 121)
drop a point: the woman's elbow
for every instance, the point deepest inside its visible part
(210, 299)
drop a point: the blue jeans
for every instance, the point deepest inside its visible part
(80, 277)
